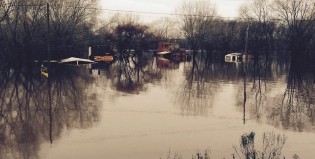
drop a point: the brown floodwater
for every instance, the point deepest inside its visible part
(150, 109)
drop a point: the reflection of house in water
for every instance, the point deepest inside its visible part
(100, 66)
(233, 67)
(181, 56)
(165, 63)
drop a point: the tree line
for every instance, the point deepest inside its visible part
(270, 25)
(27, 27)
(24, 27)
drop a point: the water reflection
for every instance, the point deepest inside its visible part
(296, 108)
(267, 90)
(262, 90)
(256, 76)
(164, 63)
(205, 77)
(33, 111)
(196, 92)
(132, 74)
(291, 106)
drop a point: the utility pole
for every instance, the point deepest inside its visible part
(48, 33)
(245, 96)
(245, 72)
(49, 76)
(246, 42)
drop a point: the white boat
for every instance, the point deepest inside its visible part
(233, 57)
(75, 60)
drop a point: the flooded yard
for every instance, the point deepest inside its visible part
(108, 79)
(162, 109)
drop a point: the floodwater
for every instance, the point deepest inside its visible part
(152, 108)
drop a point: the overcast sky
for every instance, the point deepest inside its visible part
(225, 8)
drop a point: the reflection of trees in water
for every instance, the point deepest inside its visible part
(295, 108)
(259, 72)
(133, 73)
(26, 118)
(193, 96)
(291, 110)
(196, 93)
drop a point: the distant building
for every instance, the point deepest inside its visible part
(165, 46)
(101, 53)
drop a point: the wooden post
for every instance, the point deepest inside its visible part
(246, 42)
(48, 34)
(49, 82)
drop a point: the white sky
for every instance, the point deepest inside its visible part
(225, 8)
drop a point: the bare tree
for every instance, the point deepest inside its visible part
(19, 26)
(23, 26)
(5, 6)
(271, 148)
(298, 16)
(195, 18)
(165, 28)
(257, 10)
(123, 19)
(260, 23)
(72, 24)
